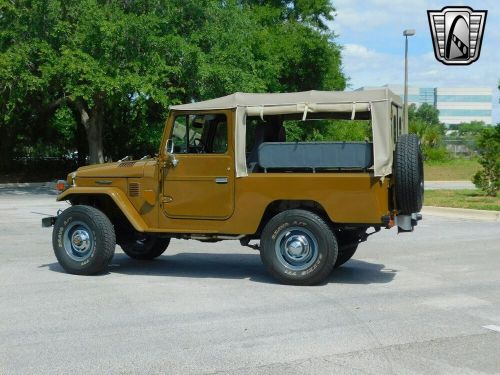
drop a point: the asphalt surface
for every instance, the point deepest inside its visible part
(406, 304)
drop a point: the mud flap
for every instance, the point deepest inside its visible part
(406, 223)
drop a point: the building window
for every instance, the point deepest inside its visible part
(464, 98)
(464, 112)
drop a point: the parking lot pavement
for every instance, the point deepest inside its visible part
(408, 303)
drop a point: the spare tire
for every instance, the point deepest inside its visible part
(409, 174)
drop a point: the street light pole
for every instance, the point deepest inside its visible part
(406, 33)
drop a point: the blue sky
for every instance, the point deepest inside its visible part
(371, 33)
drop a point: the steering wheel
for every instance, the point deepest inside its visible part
(200, 145)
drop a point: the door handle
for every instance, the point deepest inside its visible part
(173, 160)
(221, 180)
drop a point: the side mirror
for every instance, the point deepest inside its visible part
(169, 147)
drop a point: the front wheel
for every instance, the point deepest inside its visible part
(298, 248)
(83, 240)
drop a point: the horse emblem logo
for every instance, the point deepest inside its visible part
(457, 33)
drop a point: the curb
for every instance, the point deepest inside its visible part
(448, 181)
(449, 185)
(50, 184)
(461, 213)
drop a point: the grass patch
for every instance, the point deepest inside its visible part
(452, 170)
(466, 198)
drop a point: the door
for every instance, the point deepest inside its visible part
(201, 185)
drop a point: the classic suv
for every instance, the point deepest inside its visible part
(226, 172)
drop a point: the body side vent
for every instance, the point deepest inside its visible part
(133, 189)
(123, 164)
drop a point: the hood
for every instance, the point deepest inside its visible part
(120, 169)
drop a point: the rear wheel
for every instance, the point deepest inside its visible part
(298, 247)
(145, 247)
(83, 240)
(348, 241)
(345, 254)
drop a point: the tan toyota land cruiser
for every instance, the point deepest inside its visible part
(225, 171)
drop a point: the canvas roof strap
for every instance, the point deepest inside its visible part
(262, 113)
(306, 109)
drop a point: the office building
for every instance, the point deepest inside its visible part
(455, 104)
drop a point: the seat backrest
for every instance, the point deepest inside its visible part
(253, 157)
(270, 131)
(316, 155)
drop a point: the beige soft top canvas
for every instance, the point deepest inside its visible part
(382, 104)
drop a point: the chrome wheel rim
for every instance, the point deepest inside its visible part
(78, 241)
(296, 248)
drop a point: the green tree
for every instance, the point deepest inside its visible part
(488, 178)
(425, 112)
(86, 55)
(424, 121)
(469, 132)
(328, 130)
(116, 65)
(472, 128)
(430, 134)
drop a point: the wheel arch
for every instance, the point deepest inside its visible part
(112, 202)
(92, 249)
(277, 206)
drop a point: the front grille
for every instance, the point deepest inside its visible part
(133, 189)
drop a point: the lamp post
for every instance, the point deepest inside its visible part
(406, 33)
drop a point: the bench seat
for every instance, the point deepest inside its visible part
(315, 155)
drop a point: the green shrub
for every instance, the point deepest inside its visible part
(488, 178)
(435, 154)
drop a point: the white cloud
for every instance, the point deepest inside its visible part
(366, 15)
(367, 67)
(359, 52)
(373, 46)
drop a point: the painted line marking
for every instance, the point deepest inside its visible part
(493, 328)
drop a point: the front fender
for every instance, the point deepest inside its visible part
(117, 195)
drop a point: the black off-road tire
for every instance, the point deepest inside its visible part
(345, 254)
(283, 229)
(409, 174)
(148, 248)
(348, 241)
(101, 240)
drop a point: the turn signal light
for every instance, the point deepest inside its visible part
(61, 185)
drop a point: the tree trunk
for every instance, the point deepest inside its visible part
(93, 121)
(6, 147)
(94, 135)
(82, 146)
